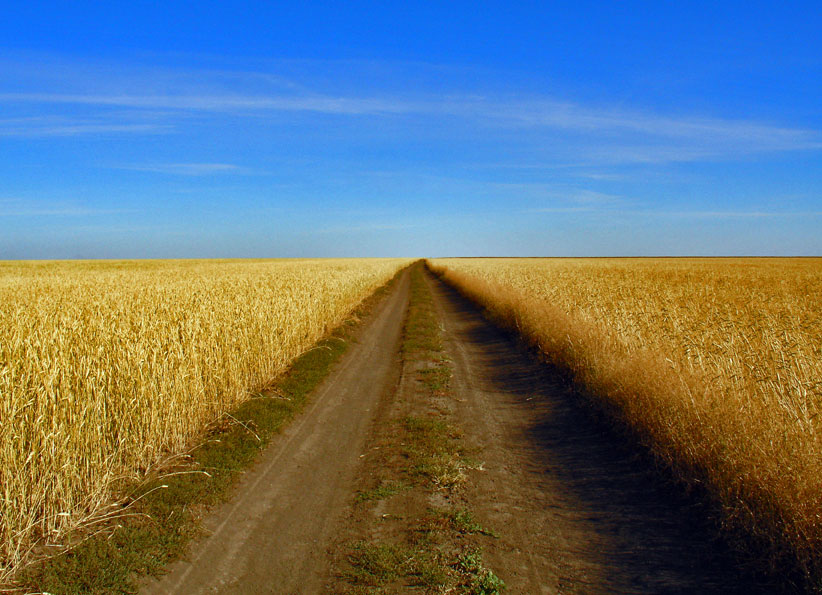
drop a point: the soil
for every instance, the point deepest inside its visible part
(571, 506)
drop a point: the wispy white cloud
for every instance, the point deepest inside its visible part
(21, 207)
(561, 210)
(655, 138)
(57, 211)
(683, 215)
(592, 197)
(567, 194)
(591, 134)
(733, 214)
(620, 153)
(366, 227)
(187, 169)
(604, 177)
(560, 114)
(579, 200)
(83, 129)
(226, 103)
(60, 126)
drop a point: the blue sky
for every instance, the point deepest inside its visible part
(139, 130)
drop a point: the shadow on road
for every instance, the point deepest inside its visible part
(651, 536)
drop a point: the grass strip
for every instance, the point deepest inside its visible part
(433, 549)
(160, 515)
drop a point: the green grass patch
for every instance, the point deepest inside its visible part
(436, 379)
(378, 567)
(462, 521)
(422, 335)
(430, 551)
(380, 564)
(476, 578)
(383, 491)
(433, 451)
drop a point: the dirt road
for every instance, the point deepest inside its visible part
(574, 509)
(270, 538)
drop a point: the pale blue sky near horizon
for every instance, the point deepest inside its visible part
(206, 130)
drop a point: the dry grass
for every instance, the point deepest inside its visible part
(108, 367)
(715, 363)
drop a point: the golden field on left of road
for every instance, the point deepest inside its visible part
(105, 366)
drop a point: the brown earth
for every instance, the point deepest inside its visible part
(574, 507)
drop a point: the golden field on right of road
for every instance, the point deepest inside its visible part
(715, 363)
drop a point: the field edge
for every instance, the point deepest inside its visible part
(770, 550)
(154, 521)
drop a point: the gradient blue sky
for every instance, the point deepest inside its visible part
(239, 129)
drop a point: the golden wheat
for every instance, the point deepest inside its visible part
(107, 366)
(716, 363)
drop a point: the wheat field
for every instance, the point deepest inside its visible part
(107, 367)
(715, 363)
